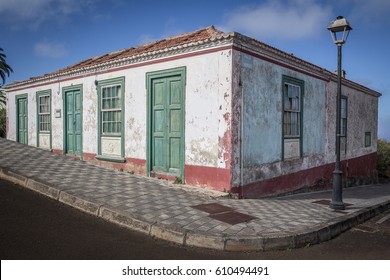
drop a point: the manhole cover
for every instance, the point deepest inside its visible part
(212, 208)
(327, 202)
(232, 217)
(223, 213)
(322, 202)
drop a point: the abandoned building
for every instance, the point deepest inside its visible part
(206, 108)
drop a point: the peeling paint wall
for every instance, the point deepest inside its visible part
(236, 157)
(260, 167)
(262, 121)
(11, 117)
(362, 117)
(233, 120)
(207, 111)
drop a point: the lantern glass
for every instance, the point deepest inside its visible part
(339, 30)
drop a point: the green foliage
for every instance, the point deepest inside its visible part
(383, 160)
(2, 98)
(2, 122)
(5, 69)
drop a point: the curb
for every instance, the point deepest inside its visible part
(265, 242)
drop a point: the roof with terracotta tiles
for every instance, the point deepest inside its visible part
(204, 34)
(182, 39)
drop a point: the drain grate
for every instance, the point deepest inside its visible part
(327, 202)
(223, 213)
(232, 217)
(322, 202)
(212, 208)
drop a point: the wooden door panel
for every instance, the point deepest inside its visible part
(22, 121)
(167, 125)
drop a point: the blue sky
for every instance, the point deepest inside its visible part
(41, 36)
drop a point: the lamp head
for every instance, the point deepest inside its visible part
(339, 29)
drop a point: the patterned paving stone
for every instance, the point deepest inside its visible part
(159, 201)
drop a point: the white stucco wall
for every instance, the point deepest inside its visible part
(207, 108)
(362, 117)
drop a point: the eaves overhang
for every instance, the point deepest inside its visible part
(217, 40)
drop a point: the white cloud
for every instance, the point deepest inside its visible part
(170, 28)
(18, 11)
(50, 49)
(279, 19)
(370, 12)
(147, 38)
(33, 13)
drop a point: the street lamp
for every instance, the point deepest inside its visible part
(339, 30)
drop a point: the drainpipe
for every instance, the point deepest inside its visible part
(242, 140)
(241, 129)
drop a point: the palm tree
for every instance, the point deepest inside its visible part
(2, 98)
(5, 69)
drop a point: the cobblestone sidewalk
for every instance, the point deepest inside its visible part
(184, 214)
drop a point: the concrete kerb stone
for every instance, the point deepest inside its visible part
(323, 233)
(43, 189)
(168, 233)
(13, 177)
(198, 239)
(264, 242)
(125, 220)
(280, 240)
(332, 229)
(244, 243)
(306, 237)
(76, 202)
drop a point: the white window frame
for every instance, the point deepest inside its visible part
(42, 115)
(118, 108)
(292, 109)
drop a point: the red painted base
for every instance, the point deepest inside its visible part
(211, 177)
(358, 170)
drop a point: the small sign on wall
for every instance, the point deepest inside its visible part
(58, 113)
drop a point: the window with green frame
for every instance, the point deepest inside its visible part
(343, 116)
(44, 113)
(111, 110)
(292, 110)
(111, 119)
(292, 95)
(367, 139)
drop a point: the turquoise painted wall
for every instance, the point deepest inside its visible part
(262, 128)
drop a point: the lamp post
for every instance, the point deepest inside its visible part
(339, 29)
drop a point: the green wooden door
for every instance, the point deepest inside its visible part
(22, 120)
(73, 107)
(167, 122)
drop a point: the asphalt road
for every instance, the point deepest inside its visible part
(36, 227)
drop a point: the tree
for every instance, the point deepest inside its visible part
(2, 98)
(3, 122)
(383, 159)
(5, 69)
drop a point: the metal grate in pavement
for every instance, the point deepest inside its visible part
(212, 208)
(232, 217)
(223, 213)
(327, 202)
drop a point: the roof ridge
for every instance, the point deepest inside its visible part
(208, 32)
